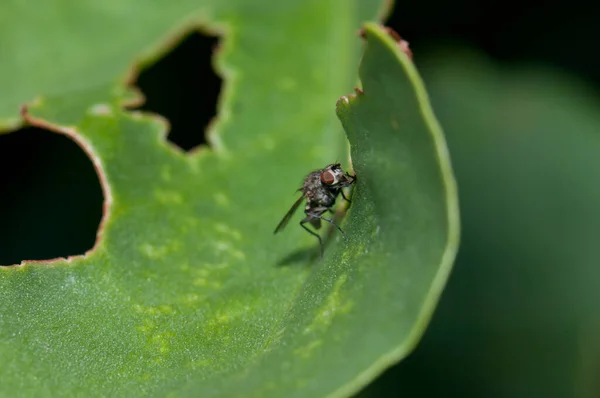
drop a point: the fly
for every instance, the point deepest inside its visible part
(320, 190)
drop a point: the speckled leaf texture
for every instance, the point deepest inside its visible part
(187, 291)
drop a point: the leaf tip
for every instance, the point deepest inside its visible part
(347, 99)
(23, 111)
(371, 28)
(344, 101)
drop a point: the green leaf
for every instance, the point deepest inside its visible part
(525, 144)
(187, 292)
(519, 316)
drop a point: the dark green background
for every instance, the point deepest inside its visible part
(519, 317)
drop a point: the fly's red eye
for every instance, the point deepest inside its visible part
(327, 177)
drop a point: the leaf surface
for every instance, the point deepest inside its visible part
(187, 291)
(524, 144)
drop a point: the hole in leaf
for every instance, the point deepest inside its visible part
(50, 197)
(184, 88)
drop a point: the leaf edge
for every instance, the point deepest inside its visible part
(374, 31)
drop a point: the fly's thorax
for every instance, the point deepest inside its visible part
(312, 182)
(323, 197)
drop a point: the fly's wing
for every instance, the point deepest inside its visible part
(289, 215)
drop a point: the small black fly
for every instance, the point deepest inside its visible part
(320, 189)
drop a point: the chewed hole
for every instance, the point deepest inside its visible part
(183, 87)
(50, 197)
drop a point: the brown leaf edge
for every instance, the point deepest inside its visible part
(224, 70)
(402, 44)
(136, 66)
(98, 167)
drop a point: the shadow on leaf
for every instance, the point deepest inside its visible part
(306, 256)
(309, 255)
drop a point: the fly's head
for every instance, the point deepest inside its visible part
(334, 177)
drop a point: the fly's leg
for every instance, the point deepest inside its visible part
(344, 196)
(330, 221)
(307, 219)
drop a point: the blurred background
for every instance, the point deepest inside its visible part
(515, 86)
